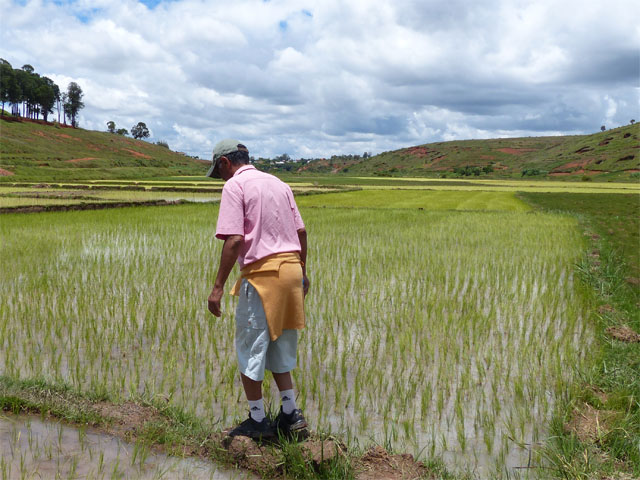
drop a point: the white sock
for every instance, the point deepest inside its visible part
(288, 401)
(256, 410)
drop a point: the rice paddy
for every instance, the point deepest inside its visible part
(434, 331)
(38, 449)
(27, 195)
(24, 196)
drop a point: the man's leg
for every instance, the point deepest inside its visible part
(287, 395)
(283, 380)
(290, 419)
(253, 391)
(252, 388)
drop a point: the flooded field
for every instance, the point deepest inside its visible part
(440, 333)
(32, 448)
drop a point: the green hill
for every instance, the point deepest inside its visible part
(52, 152)
(612, 154)
(31, 150)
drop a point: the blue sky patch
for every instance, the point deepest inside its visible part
(283, 25)
(151, 4)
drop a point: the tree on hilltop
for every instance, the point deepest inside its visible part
(632, 121)
(24, 88)
(139, 131)
(9, 88)
(122, 131)
(111, 126)
(603, 128)
(45, 95)
(73, 102)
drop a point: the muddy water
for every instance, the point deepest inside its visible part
(32, 448)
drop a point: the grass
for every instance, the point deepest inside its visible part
(36, 152)
(33, 151)
(13, 197)
(611, 386)
(430, 200)
(169, 430)
(609, 155)
(456, 292)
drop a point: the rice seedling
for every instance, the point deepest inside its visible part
(450, 333)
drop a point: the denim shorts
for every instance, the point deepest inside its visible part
(254, 347)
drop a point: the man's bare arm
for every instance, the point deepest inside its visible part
(230, 252)
(302, 236)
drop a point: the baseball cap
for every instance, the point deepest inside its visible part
(224, 147)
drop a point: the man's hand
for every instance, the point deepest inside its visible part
(215, 297)
(229, 255)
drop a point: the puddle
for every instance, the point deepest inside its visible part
(32, 448)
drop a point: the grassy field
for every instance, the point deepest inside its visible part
(459, 311)
(609, 155)
(596, 431)
(33, 151)
(78, 194)
(430, 200)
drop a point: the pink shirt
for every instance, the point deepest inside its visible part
(261, 208)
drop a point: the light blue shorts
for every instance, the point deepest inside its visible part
(254, 347)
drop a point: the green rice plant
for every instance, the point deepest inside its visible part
(426, 326)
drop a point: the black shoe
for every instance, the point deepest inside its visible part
(252, 429)
(293, 422)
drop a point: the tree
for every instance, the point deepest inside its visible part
(632, 121)
(139, 131)
(73, 103)
(28, 81)
(111, 126)
(6, 79)
(603, 128)
(46, 96)
(122, 131)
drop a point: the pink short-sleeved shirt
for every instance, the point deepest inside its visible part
(261, 208)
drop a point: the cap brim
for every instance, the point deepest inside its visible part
(213, 171)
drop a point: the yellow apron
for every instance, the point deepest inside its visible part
(278, 280)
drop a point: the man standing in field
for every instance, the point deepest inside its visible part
(262, 229)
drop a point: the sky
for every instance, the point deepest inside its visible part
(328, 77)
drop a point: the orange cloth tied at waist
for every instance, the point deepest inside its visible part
(278, 280)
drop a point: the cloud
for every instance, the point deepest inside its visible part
(323, 77)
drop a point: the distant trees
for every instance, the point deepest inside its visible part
(603, 128)
(468, 170)
(531, 172)
(111, 128)
(31, 95)
(24, 88)
(73, 102)
(632, 121)
(139, 131)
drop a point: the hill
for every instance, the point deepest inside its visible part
(612, 154)
(34, 150)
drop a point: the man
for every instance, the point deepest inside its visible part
(262, 229)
